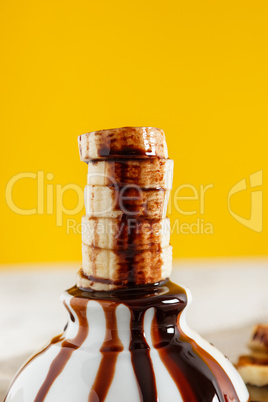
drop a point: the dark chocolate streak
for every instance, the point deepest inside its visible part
(132, 234)
(135, 265)
(55, 340)
(110, 349)
(140, 357)
(105, 152)
(139, 206)
(111, 147)
(226, 386)
(125, 158)
(198, 376)
(189, 365)
(97, 279)
(67, 348)
(136, 202)
(131, 264)
(69, 311)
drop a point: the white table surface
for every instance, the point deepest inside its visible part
(229, 296)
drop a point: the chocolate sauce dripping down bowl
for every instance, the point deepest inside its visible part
(132, 345)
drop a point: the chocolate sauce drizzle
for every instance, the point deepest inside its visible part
(131, 266)
(137, 205)
(53, 341)
(67, 348)
(110, 349)
(112, 146)
(135, 265)
(140, 357)
(197, 375)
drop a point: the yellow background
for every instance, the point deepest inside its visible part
(197, 69)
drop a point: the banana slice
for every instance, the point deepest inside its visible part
(83, 282)
(139, 142)
(133, 201)
(259, 339)
(116, 233)
(253, 371)
(146, 173)
(120, 268)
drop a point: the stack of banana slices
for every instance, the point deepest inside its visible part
(254, 367)
(125, 235)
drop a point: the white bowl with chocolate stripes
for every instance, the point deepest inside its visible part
(128, 345)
